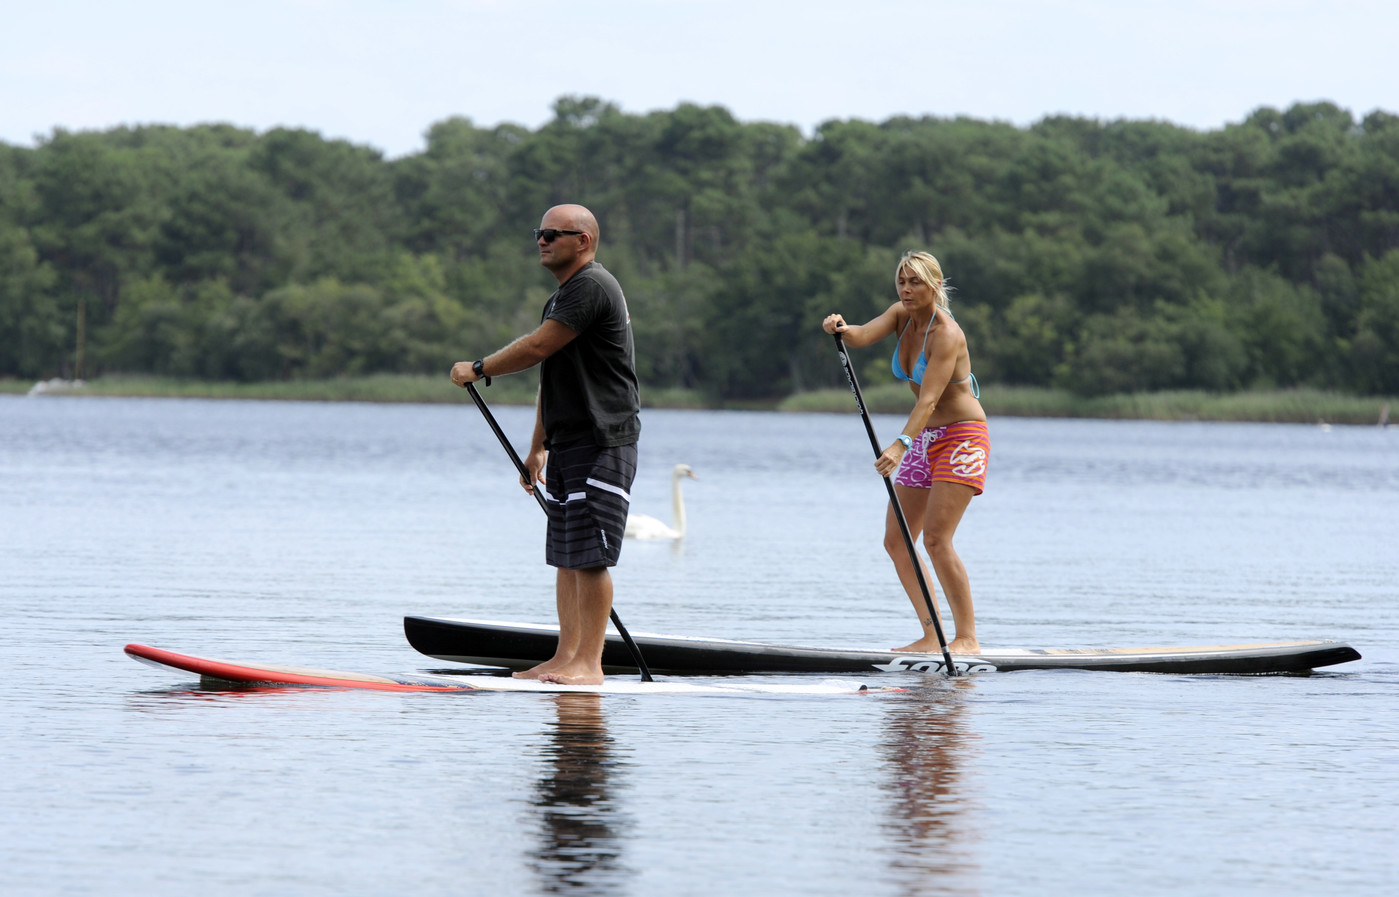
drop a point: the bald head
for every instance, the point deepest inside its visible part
(572, 217)
(565, 254)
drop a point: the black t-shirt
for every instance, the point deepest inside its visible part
(588, 389)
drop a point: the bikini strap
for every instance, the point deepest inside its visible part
(971, 376)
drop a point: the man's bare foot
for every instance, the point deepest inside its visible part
(539, 670)
(573, 674)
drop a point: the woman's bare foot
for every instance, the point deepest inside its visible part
(961, 645)
(928, 644)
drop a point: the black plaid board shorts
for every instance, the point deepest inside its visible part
(587, 493)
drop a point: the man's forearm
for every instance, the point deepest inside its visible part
(521, 355)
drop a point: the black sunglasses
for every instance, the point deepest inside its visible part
(550, 234)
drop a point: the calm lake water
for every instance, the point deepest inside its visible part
(302, 533)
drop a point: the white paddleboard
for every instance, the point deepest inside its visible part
(272, 674)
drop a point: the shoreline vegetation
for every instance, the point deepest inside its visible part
(1100, 258)
(1306, 406)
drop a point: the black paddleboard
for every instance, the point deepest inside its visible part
(522, 645)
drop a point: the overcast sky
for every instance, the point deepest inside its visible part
(380, 73)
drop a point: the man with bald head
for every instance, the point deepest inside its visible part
(585, 432)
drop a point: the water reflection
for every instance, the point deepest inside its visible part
(581, 829)
(926, 746)
(210, 691)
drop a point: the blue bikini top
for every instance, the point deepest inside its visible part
(920, 364)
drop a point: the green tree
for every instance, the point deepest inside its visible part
(1376, 345)
(343, 219)
(454, 195)
(1282, 328)
(1031, 342)
(33, 331)
(226, 221)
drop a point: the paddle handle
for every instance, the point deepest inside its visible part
(505, 443)
(534, 490)
(894, 503)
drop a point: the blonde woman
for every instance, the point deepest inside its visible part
(939, 460)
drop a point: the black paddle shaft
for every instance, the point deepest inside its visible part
(524, 475)
(894, 503)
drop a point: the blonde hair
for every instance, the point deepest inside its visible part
(927, 268)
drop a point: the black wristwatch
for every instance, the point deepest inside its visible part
(478, 368)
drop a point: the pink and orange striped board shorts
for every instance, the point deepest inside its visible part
(956, 453)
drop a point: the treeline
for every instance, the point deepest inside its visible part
(1100, 257)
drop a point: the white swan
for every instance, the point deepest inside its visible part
(639, 526)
